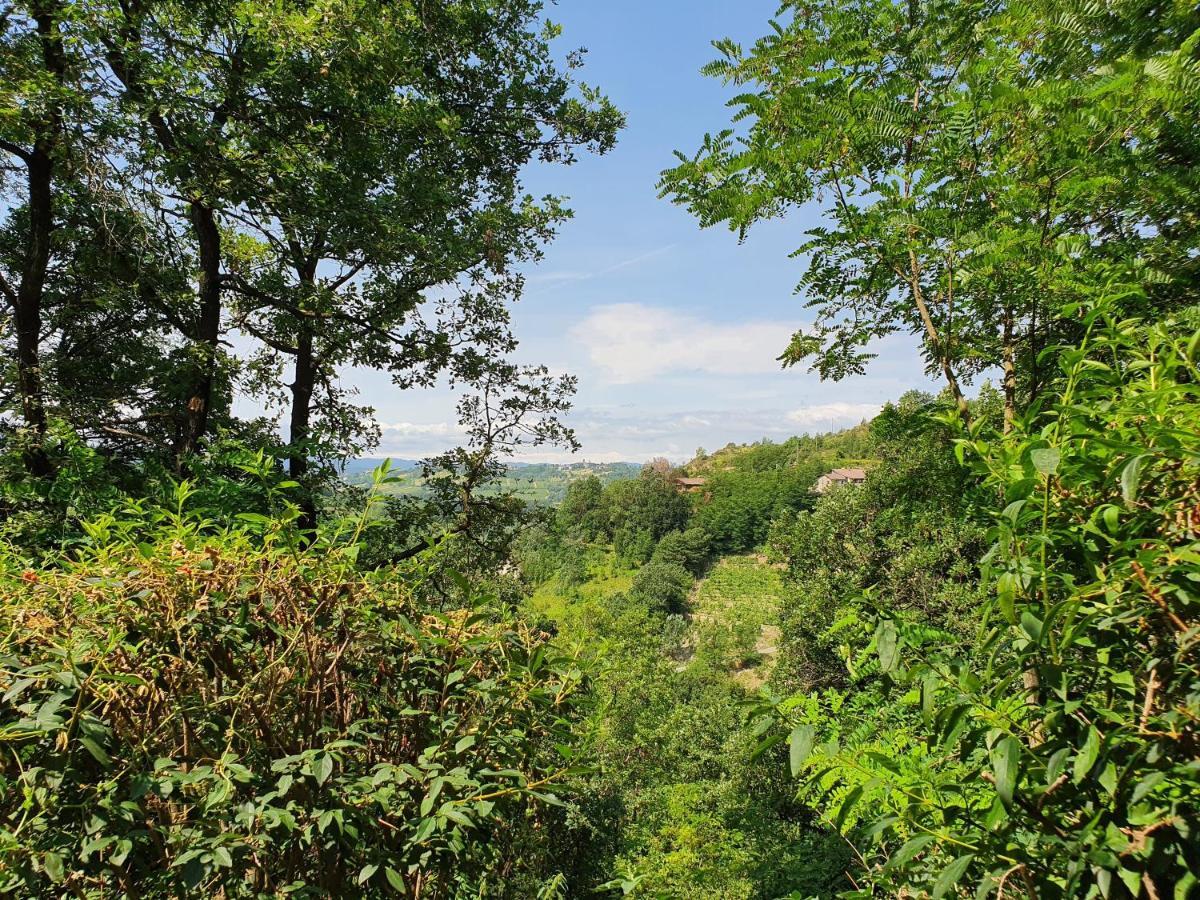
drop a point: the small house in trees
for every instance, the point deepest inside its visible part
(840, 476)
(690, 485)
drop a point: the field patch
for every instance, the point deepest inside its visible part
(735, 612)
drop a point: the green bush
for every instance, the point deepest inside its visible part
(192, 712)
(689, 549)
(1060, 749)
(583, 512)
(910, 538)
(662, 586)
(738, 507)
(642, 511)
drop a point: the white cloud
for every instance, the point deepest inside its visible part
(634, 343)
(839, 414)
(419, 429)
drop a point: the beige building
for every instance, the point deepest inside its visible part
(840, 476)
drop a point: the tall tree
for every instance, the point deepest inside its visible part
(36, 76)
(975, 162)
(189, 73)
(389, 239)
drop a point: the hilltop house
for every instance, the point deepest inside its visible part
(840, 476)
(690, 485)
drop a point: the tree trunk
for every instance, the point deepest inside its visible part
(303, 385)
(1010, 371)
(935, 339)
(27, 312)
(207, 336)
(301, 422)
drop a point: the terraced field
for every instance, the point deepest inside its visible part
(734, 613)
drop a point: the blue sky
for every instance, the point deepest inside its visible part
(672, 331)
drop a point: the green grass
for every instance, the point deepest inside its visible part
(571, 605)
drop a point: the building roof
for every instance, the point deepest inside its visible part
(691, 482)
(848, 474)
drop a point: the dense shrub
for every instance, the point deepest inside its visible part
(738, 507)
(194, 713)
(584, 512)
(909, 540)
(689, 549)
(642, 511)
(1055, 757)
(662, 586)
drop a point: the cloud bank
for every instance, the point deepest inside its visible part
(633, 343)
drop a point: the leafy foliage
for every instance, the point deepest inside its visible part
(198, 709)
(977, 166)
(662, 585)
(1057, 755)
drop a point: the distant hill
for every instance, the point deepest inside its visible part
(845, 447)
(543, 484)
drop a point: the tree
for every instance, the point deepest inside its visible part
(689, 549)
(1079, 781)
(36, 71)
(649, 505)
(412, 184)
(662, 586)
(349, 176)
(190, 76)
(508, 407)
(583, 510)
(976, 164)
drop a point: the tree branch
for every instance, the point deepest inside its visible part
(15, 150)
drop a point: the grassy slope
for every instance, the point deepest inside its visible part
(735, 614)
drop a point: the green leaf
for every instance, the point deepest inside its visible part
(1087, 754)
(1031, 625)
(910, 849)
(222, 857)
(952, 875)
(365, 873)
(885, 644)
(464, 743)
(53, 864)
(847, 805)
(1006, 590)
(425, 830)
(394, 879)
(96, 750)
(1147, 784)
(322, 767)
(800, 745)
(929, 688)
(1046, 460)
(1130, 476)
(1013, 510)
(1108, 778)
(455, 814)
(1006, 761)
(254, 518)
